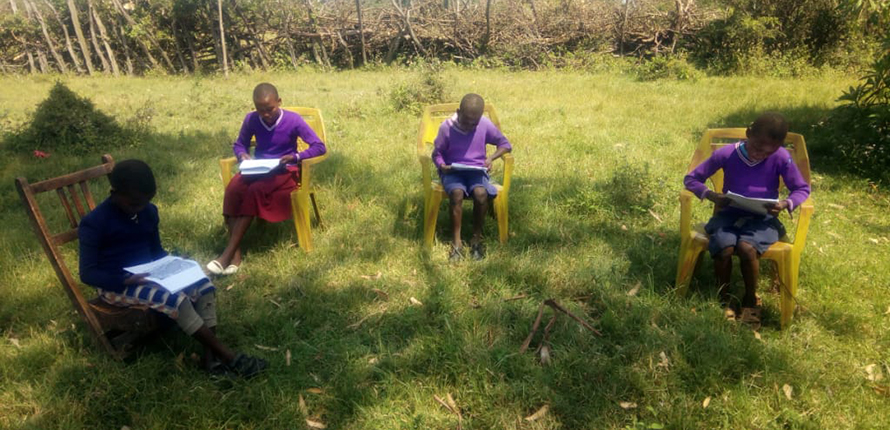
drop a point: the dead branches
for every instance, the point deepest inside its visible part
(544, 345)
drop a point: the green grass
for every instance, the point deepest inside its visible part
(574, 238)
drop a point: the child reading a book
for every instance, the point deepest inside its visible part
(459, 155)
(751, 168)
(123, 231)
(268, 195)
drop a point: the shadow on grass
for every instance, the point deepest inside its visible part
(464, 336)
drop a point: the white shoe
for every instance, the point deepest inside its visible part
(231, 270)
(215, 268)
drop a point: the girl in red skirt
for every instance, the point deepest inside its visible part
(266, 196)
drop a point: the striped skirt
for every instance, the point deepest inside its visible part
(156, 297)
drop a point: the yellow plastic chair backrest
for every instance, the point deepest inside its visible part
(433, 116)
(716, 138)
(312, 116)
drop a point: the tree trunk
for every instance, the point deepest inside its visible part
(33, 67)
(148, 35)
(317, 43)
(52, 47)
(95, 40)
(222, 38)
(346, 48)
(487, 37)
(257, 43)
(119, 33)
(191, 45)
(185, 68)
(103, 34)
(74, 57)
(84, 48)
(361, 31)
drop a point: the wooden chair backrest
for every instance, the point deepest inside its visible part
(76, 206)
(716, 138)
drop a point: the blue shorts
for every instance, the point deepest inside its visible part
(467, 181)
(729, 227)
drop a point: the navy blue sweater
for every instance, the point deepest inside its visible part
(111, 240)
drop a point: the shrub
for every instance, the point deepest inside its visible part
(632, 187)
(667, 67)
(859, 130)
(65, 122)
(414, 94)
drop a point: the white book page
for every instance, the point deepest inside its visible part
(461, 166)
(257, 167)
(171, 273)
(750, 204)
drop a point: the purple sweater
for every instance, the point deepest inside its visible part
(455, 146)
(278, 140)
(750, 179)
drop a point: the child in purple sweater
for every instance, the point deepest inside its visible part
(459, 154)
(751, 168)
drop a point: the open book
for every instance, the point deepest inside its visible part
(750, 204)
(461, 166)
(258, 167)
(171, 273)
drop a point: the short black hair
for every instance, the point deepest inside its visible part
(771, 124)
(133, 176)
(472, 103)
(264, 90)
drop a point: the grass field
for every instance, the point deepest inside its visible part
(594, 155)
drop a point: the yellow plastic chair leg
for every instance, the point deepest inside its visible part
(689, 253)
(315, 208)
(431, 214)
(500, 212)
(300, 208)
(788, 275)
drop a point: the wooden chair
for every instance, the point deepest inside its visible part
(786, 252)
(301, 197)
(433, 192)
(114, 327)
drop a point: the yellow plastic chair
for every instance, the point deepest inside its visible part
(301, 197)
(433, 193)
(786, 253)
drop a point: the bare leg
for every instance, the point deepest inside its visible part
(723, 271)
(480, 208)
(208, 339)
(457, 201)
(750, 263)
(237, 228)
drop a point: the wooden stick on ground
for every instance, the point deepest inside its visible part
(534, 330)
(552, 303)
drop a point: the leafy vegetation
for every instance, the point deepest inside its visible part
(364, 356)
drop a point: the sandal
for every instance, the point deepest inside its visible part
(215, 268)
(751, 318)
(247, 366)
(729, 314)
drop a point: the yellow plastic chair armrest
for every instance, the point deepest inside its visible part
(306, 170)
(803, 225)
(226, 165)
(426, 165)
(686, 200)
(508, 171)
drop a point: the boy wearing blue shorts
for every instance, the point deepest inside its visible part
(751, 168)
(463, 165)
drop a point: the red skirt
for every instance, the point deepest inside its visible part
(264, 196)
